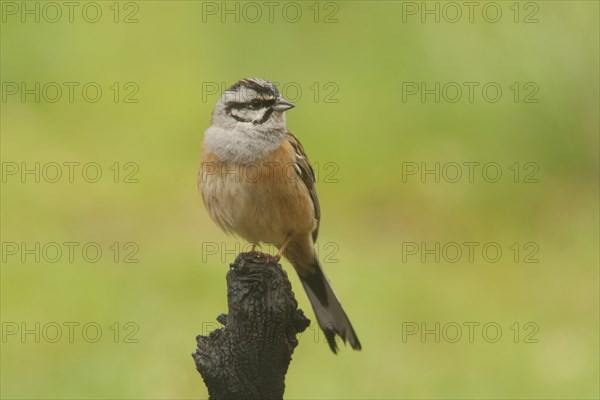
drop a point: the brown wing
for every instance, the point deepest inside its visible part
(306, 173)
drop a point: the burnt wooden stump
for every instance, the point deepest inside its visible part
(249, 357)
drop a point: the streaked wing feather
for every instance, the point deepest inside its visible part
(307, 175)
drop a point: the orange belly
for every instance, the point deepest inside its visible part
(265, 201)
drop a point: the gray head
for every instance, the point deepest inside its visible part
(251, 103)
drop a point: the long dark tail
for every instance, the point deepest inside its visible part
(330, 314)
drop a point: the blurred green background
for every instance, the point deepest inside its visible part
(361, 54)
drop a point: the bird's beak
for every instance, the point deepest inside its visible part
(282, 105)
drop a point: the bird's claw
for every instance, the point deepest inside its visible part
(274, 258)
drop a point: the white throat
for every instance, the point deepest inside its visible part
(243, 144)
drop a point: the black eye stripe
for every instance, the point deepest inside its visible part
(254, 104)
(263, 119)
(257, 104)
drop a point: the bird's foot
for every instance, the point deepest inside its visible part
(267, 257)
(275, 258)
(253, 249)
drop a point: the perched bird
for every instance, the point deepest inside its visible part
(257, 183)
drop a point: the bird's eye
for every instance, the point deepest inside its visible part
(255, 104)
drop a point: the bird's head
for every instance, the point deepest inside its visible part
(252, 102)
